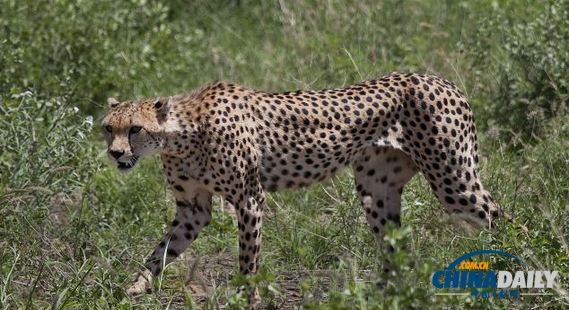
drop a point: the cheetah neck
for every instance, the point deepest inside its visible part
(181, 139)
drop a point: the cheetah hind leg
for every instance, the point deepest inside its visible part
(461, 192)
(381, 173)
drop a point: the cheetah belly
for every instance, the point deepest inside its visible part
(292, 167)
(287, 173)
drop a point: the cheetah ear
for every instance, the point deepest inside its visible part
(112, 102)
(162, 107)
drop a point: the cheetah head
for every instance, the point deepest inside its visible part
(133, 129)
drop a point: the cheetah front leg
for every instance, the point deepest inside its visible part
(249, 207)
(193, 212)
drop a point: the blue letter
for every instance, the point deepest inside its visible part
(475, 279)
(436, 280)
(490, 280)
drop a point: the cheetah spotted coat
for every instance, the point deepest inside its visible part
(240, 143)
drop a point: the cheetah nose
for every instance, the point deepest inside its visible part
(116, 154)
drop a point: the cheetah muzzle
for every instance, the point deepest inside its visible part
(126, 166)
(238, 143)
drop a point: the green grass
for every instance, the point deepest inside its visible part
(73, 230)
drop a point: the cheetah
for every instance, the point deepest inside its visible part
(238, 143)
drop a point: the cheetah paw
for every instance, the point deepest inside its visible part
(142, 284)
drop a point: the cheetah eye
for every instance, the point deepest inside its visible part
(108, 129)
(135, 129)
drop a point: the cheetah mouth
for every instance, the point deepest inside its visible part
(124, 166)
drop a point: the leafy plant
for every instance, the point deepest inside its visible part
(527, 73)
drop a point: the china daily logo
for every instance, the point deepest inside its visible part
(466, 273)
